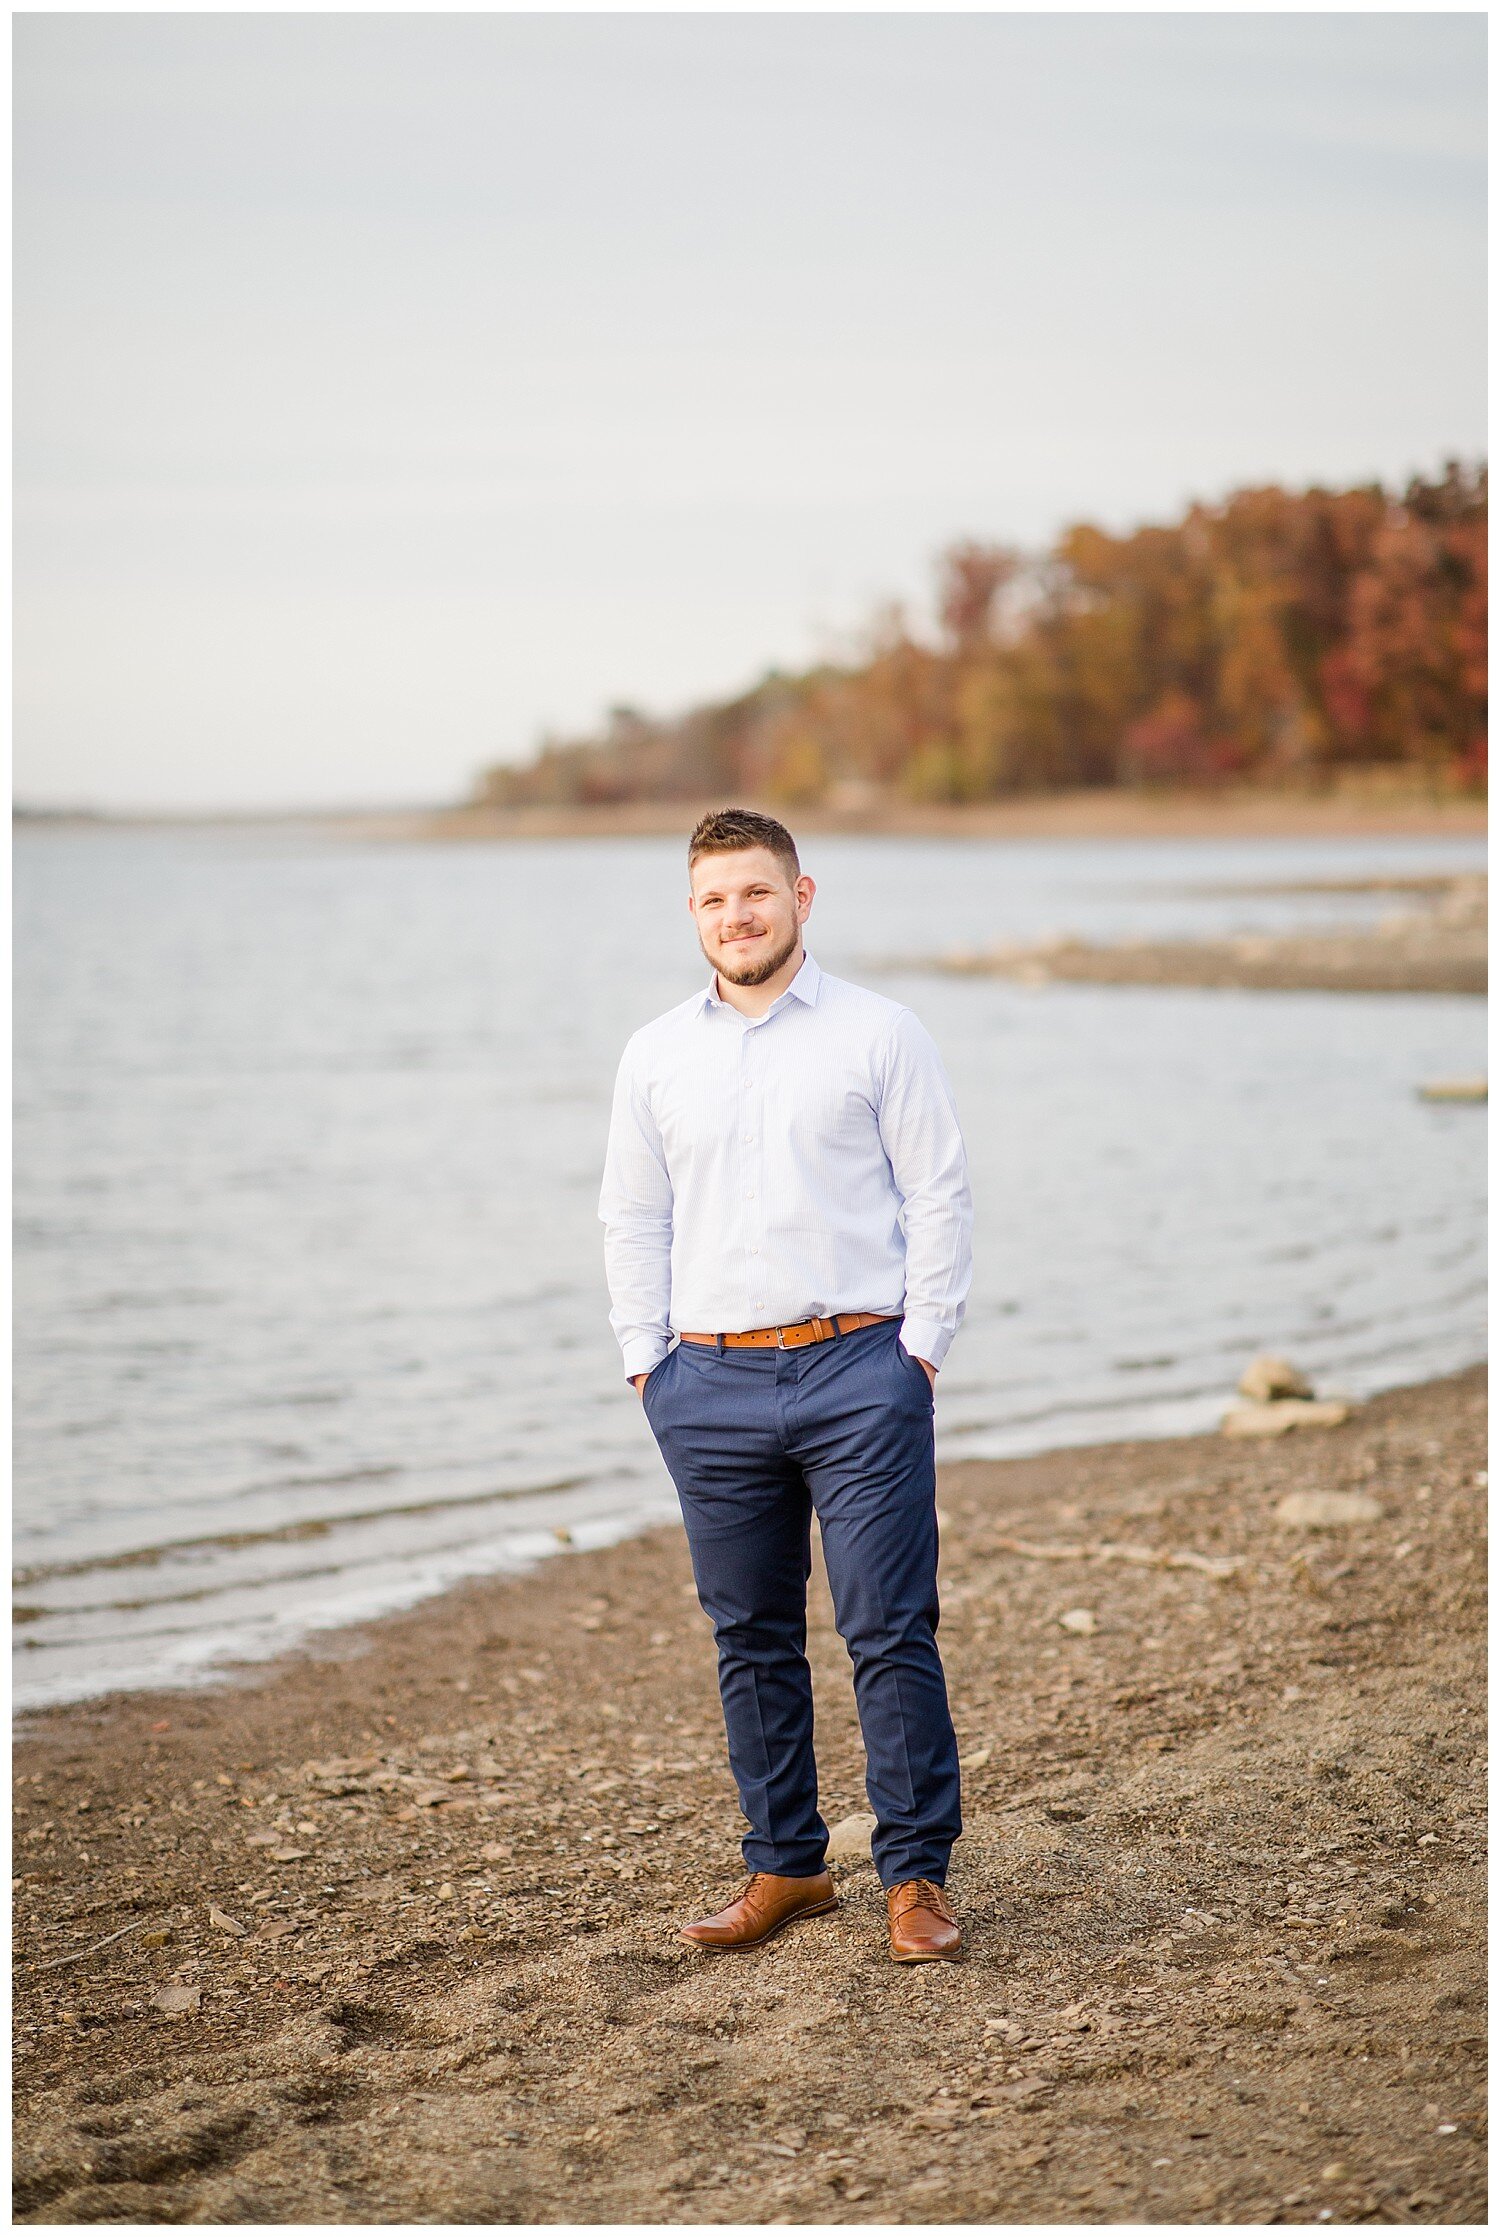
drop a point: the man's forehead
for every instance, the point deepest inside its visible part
(743, 867)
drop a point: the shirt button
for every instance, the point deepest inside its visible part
(749, 1196)
(749, 1137)
(755, 1250)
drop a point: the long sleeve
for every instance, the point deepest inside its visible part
(919, 1129)
(635, 1204)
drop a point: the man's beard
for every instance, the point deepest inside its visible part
(756, 974)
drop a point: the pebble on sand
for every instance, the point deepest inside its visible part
(1327, 1510)
(177, 1997)
(849, 1842)
(1081, 1621)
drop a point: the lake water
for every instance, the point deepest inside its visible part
(310, 1310)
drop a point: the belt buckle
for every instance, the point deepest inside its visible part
(781, 1343)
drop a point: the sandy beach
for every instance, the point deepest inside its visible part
(388, 1932)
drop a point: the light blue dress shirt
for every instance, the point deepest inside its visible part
(762, 1170)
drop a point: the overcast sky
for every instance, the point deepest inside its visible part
(391, 389)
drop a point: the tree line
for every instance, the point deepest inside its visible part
(1278, 638)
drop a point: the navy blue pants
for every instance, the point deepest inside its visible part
(755, 1442)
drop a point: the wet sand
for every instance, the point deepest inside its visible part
(1222, 1882)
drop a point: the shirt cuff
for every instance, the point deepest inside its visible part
(924, 1339)
(642, 1353)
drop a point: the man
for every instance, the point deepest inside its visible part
(785, 1189)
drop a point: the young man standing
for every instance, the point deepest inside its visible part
(785, 1189)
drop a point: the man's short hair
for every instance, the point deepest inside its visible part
(727, 830)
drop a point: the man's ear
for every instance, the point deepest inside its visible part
(804, 889)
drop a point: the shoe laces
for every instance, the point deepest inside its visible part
(925, 1895)
(753, 1885)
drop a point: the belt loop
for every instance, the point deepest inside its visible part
(719, 1346)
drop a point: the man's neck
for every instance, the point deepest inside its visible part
(754, 1001)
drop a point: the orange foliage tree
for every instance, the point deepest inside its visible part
(1277, 637)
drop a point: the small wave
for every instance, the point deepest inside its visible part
(287, 1533)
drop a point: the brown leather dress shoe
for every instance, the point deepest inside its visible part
(922, 1923)
(768, 1904)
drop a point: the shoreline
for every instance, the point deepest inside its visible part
(1097, 815)
(1221, 1879)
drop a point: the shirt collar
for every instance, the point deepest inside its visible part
(805, 987)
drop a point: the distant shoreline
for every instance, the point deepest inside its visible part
(1091, 814)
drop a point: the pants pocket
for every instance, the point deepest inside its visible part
(914, 1367)
(651, 1387)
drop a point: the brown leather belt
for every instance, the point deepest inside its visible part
(799, 1332)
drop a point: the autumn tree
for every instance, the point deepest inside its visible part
(1276, 637)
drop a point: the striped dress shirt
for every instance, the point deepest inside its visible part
(762, 1170)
